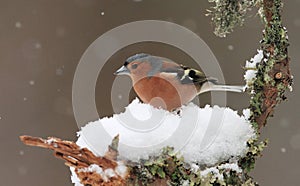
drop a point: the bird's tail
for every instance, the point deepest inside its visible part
(230, 88)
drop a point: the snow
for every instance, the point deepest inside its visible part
(185, 183)
(251, 68)
(290, 88)
(18, 24)
(50, 141)
(283, 150)
(97, 169)
(121, 169)
(205, 136)
(212, 170)
(216, 170)
(110, 173)
(74, 177)
(194, 167)
(37, 45)
(227, 140)
(31, 82)
(230, 47)
(231, 166)
(247, 114)
(106, 174)
(92, 168)
(120, 96)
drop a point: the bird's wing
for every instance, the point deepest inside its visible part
(192, 75)
(185, 75)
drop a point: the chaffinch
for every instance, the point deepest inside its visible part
(163, 83)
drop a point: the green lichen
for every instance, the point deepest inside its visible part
(255, 148)
(274, 45)
(172, 168)
(227, 14)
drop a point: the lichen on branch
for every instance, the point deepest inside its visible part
(167, 168)
(273, 74)
(227, 14)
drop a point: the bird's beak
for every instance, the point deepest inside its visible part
(122, 71)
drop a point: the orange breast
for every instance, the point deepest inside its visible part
(164, 92)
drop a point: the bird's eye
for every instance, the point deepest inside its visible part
(134, 66)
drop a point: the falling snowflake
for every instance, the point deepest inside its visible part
(230, 47)
(18, 24)
(37, 45)
(283, 150)
(31, 82)
(120, 96)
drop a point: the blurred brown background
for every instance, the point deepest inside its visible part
(41, 42)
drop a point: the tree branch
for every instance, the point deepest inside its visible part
(273, 75)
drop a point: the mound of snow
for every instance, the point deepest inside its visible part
(204, 135)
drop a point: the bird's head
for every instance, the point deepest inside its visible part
(136, 66)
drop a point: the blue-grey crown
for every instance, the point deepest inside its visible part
(136, 57)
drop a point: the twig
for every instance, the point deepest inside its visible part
(81, 159)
